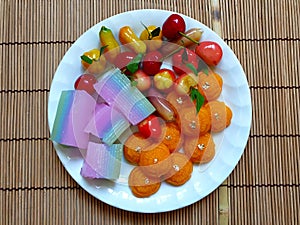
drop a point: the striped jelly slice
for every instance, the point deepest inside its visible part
(75, 108)
(111, 84)
(133, 105)
(107, 124)
(114, 132)
(102, 161)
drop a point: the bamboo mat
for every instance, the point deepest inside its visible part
(264, 188)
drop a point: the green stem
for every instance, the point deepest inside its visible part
(171, 53)
(187, 37)
(102, 49)
(146, 28)
(124, 70)
(105, 29)
(86, 59)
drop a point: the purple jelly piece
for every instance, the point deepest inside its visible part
(88, 172)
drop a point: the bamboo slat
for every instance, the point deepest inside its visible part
(32, 164)
(60, 21)
(31, 67)
(75, 206)
(272, 19)
(223, 190)
(277, 110)
(269, 64)
(22, 113)
(262, 189)
(265, 205)
(271, 160)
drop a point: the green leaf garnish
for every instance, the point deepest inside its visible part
(195, 95)
(201, 65)
(133, 65)
(192, 68)
(184, 55)
(206, 71)
(134, 83)
(86, 59)
(102, 49)
(155, 32)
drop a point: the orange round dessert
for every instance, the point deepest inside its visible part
(201, 149)
(181, 171)
(179, 102)
(171, 136)
(205, 121)
(133, 147)
(141, 185)
(154, 160)
(189, 122)
(220, 115)
(219, 79)
(193, 124)
(210, 86)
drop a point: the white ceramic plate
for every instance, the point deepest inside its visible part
(230, 143)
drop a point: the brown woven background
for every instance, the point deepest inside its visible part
(264, 188)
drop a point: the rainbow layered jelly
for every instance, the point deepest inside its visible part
(75, 109)
(116, 89)
(102, 161)
(107, 124)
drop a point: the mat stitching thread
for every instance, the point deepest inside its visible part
(38, 188)
(251, 136)
(251, 87)
(275, 87)
(261, 185)
(262, 39)
(24, 91)
(273, 135)
(24, 139)
(78, 188)
(225, 39)
(36, 42)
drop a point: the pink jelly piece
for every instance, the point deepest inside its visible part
(73, 114)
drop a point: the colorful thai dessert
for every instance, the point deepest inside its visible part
(161, 86)
(102, 161)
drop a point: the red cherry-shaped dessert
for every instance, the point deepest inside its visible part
(173, 26)
(123, 59)
(181, 59)
(142, 79)
(86, 82)
(150, 127)
(152, 62)
(211, 52)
